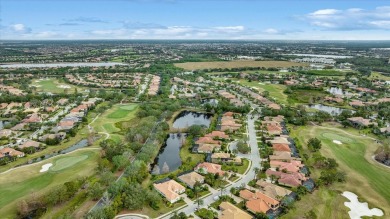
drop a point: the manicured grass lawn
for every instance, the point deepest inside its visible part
(66, 162)
(81, 134)
(53, 85)
(275, 90)
(19, 183)
(326, 203)
(243, 167)
(365, 177)
(108, 121)
(163, 209)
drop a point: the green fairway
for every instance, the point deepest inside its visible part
(108, 121)
(66, 162)
(368, 179)
(53, 85)
(23, 181)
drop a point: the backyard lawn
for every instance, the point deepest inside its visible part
(366, 178)
(23, 181)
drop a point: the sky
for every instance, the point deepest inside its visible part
(195, 19)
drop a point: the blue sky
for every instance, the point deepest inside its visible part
(195, 19)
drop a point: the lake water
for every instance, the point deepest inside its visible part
(337, 91)
(169, 159)
(55, 65)
(188, 118)
(329, 109)
(80, 144)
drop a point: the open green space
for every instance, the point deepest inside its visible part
(66, 162)
(323, 72)
(365, 177)
(275, 90)
(305, 96)
(110, 121)
(21, 182)
(81, 134)
(53, 85)
(379, 76)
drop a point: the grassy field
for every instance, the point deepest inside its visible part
(108, 121)
(377, 75)
(365, 177)
(81, 134)
(23, 181)
(55, 86)
(275, 90)
(237, 64)
(251, 72)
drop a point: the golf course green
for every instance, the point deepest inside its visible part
(21, 182)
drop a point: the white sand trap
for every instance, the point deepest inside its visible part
(63, 86)
(359, 209)
(337, 142)
(45, 167)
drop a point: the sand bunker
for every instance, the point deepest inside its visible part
(45, 167)
(63, 86)
(359, 209)
(337, 142)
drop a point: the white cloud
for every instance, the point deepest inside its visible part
(271, 31)
(20, 28)
(350, 19)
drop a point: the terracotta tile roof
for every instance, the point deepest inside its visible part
(281, 147)
(210, 168)
(257, 206)
(170, 189)
(191, 178)
(229, 211)
(217, 134)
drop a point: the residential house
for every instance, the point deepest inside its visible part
(258, 202)
(11, 152)
(191, 178)
(230, 211)
(225, 158)
(281, 147)
(217, 135)
(272, 190)
(206, 167)
(29, 143)
(170, 189)
(359, 121)
(287, 179)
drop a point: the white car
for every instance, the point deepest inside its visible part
(216, 198)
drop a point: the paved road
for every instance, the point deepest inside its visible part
(254, 156)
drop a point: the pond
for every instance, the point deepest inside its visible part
(169, 159)
(334, 111)
(337, 91)
(186, 119)
(80, 144)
